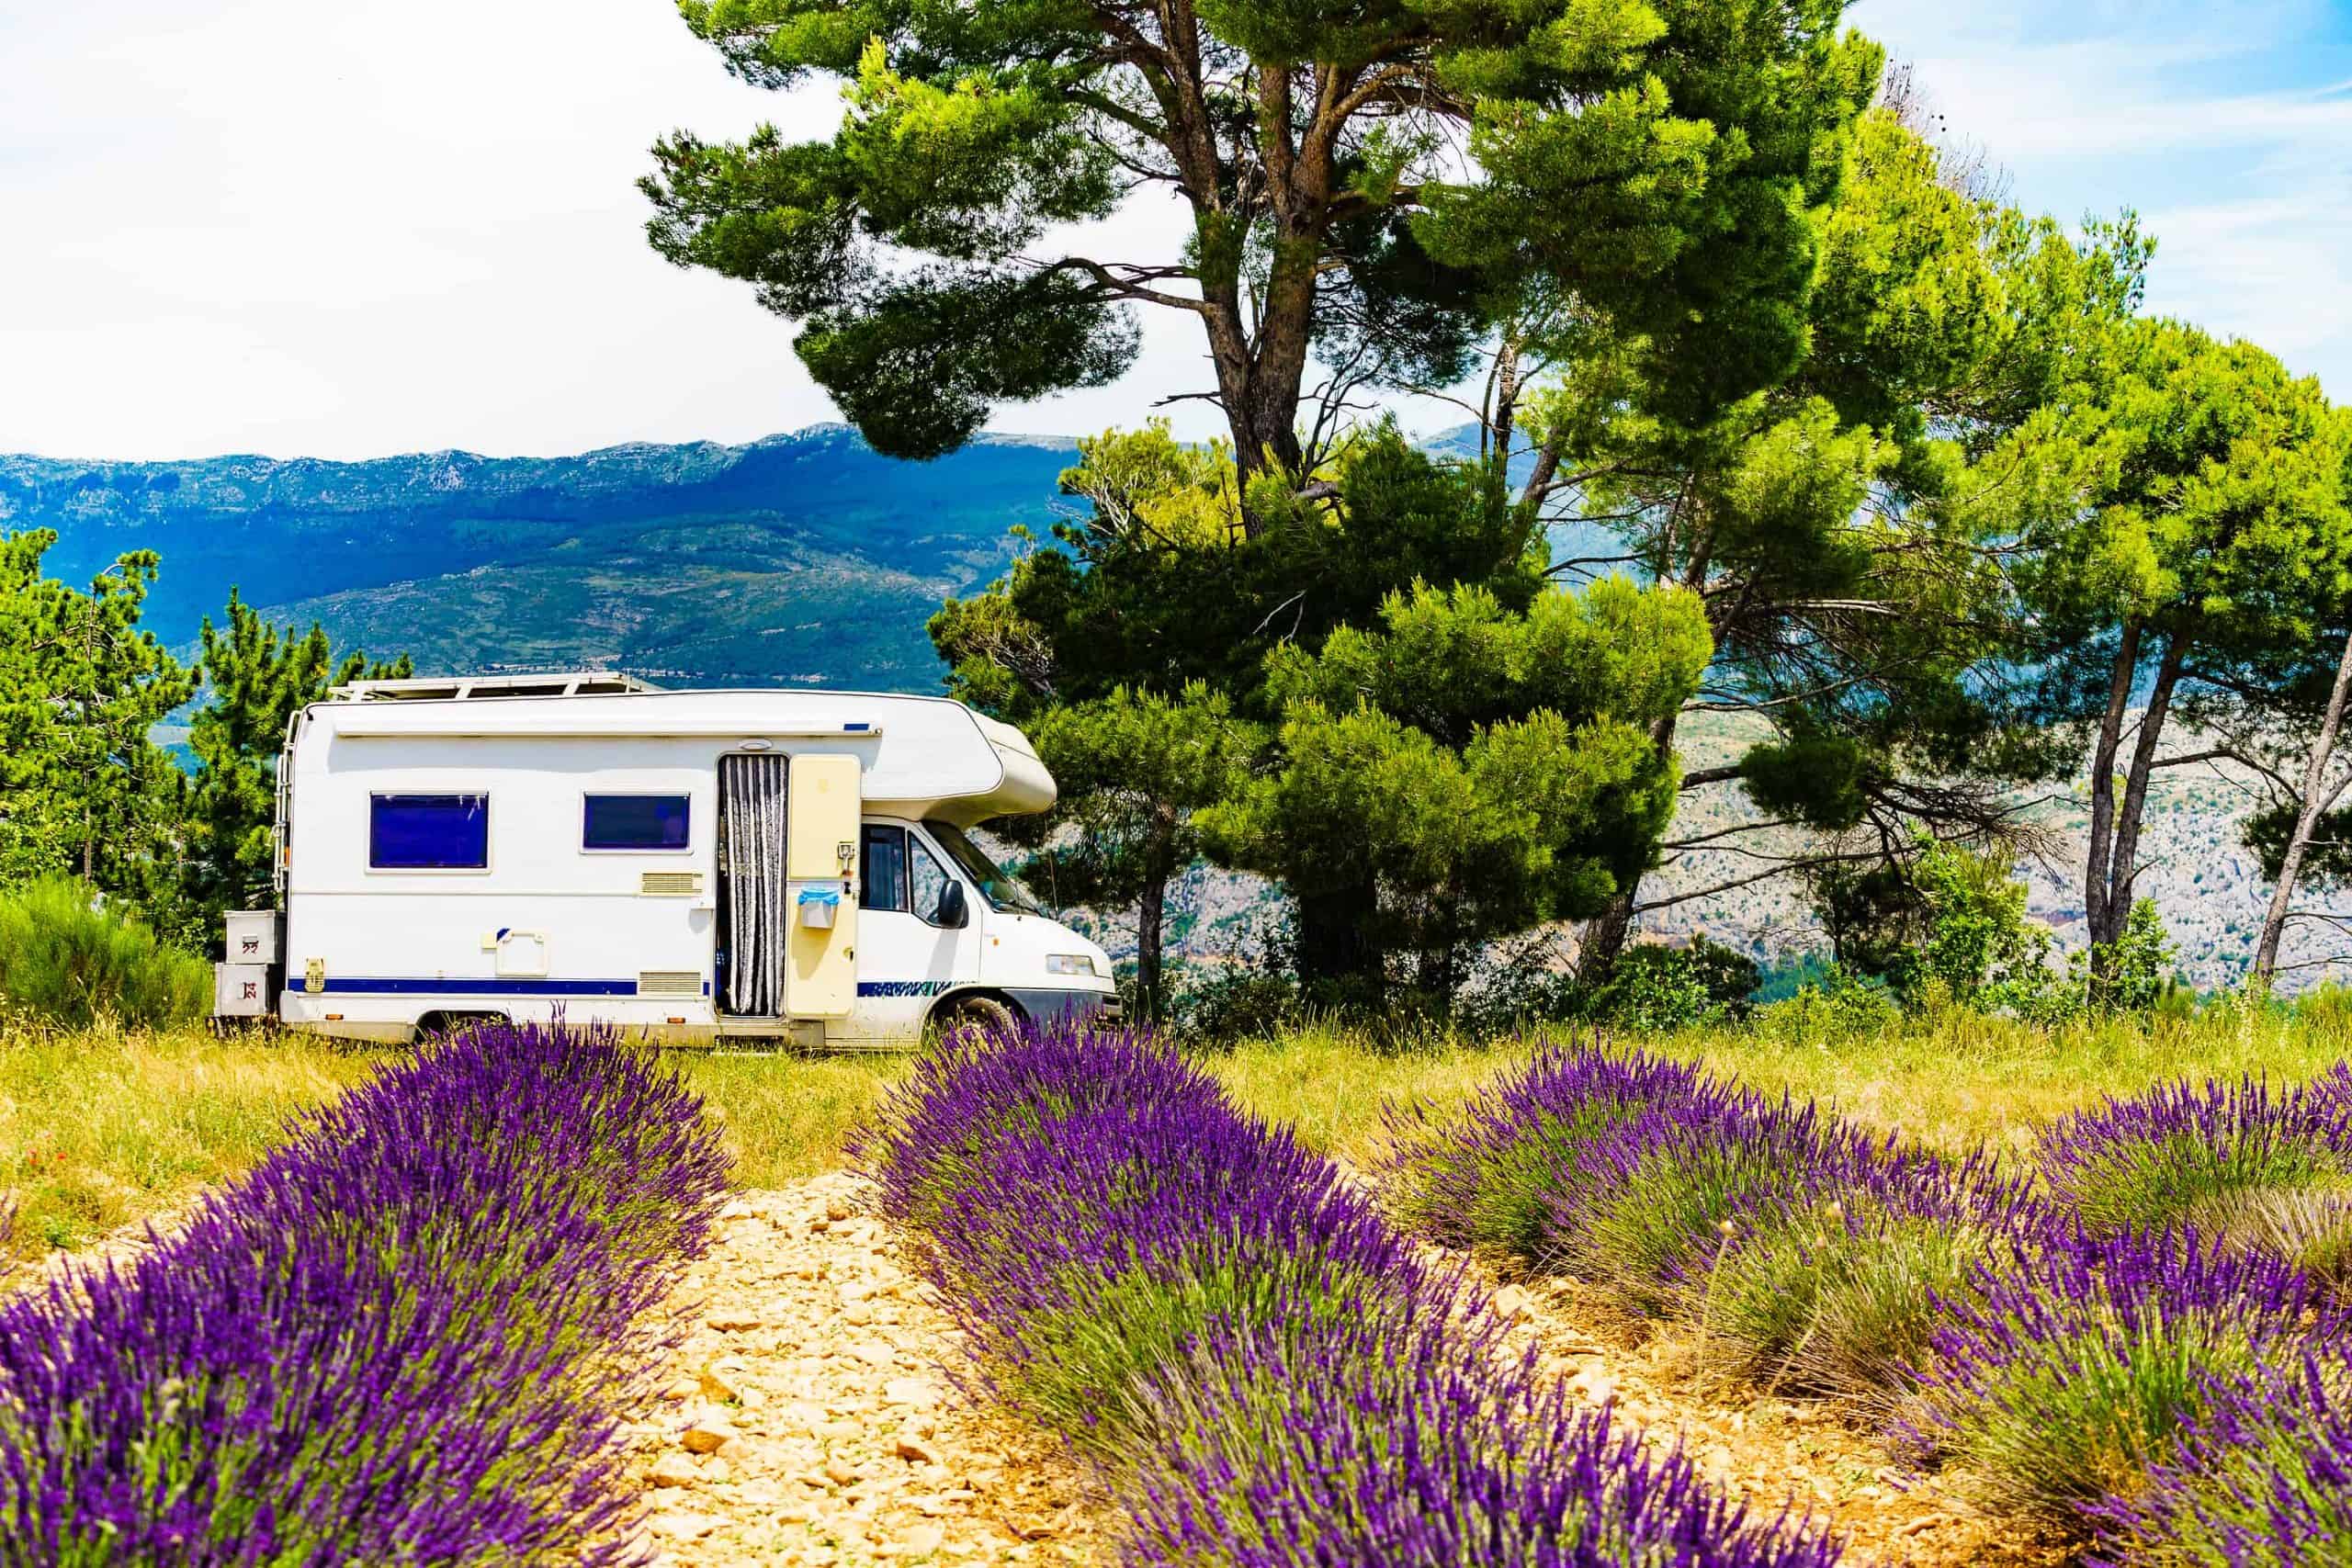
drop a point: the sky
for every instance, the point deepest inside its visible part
(381, 226)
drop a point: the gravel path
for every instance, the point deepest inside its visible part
(809, 1420)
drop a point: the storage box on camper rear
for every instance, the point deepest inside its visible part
(241, 991)
(252, 936)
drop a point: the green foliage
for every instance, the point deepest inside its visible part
(83, 788)
(1659, 163)
(1653, 987)
(1476, 771)
(1477, 765)
(1133, 768)
(1830, 518)
(2328, 861)
(1841, 1005)
(66, 962)
(256, 677)
(1218, 1007)
(2138, 972)
(1947, 927)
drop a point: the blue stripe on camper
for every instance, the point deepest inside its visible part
(404, 986)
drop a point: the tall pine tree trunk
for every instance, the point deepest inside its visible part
(2312, 805)
(1604, 935)
(1149, 923)
(2113, 866)
(1336, 954)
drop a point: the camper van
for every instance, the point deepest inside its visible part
(701, 867)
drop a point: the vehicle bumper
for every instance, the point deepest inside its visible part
(1047, 1006)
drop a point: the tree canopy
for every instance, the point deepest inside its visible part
(1373, 187)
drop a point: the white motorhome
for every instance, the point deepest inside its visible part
(704, 867)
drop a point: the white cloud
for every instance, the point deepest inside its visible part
(2227, 126)
(397, 224)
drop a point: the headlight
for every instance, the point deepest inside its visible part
(1070, 963)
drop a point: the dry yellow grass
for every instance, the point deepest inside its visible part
(790, 1116)
(101, 1130)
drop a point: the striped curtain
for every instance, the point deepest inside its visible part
(750, 804)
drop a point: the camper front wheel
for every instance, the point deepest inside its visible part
(991, 1015)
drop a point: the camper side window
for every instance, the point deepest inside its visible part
(428, 832)
(882, 880)
(634, 821)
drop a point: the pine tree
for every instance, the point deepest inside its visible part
(2182, 535)
(255, 676)
(84, 788)
(1366, 188)
(1825, 522)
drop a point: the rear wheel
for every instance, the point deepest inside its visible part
(990, 1015)
(438, 1023)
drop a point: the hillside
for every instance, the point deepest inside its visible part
(798, 558)
(807, 558)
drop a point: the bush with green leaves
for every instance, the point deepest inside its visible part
(68, 961)
(1840, 1005)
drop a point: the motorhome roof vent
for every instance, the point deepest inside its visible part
(669, 884)
(447, 688)
(669, 983)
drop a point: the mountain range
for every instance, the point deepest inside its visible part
(803, 558)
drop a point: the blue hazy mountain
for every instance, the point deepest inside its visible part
(798, 558)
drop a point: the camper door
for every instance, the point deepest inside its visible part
(820, 855)
(787, 867)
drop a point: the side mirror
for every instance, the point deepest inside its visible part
(954, 913)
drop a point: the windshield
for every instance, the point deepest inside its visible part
(1001, 891)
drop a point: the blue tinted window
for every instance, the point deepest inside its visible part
(634, 822)
(428, 832)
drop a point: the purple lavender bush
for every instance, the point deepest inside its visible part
(1488, 1177)
(2248, 1164)
(1258, 1364)
(1413, 1442)
(2078, 1363)
(1834, 1288)
(1810, 1252)
(401, 1338)
(2262, 1477)
(974, 1089)
(1085, 1252)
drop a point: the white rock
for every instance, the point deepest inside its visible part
(674, 1469)
(920, 1392)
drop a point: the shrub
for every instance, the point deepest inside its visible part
(1488, 1177)
(1395, 1447)
(1262, 1371)
(1840, 1294)
(1840, 1006)
(2253, 1165)
(1098, 1246)
(1812, 1253)
(401, 1338)
(2263, 1478)
(2140, 970)
(2078, 1363)
(67, 963)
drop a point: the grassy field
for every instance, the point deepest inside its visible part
(99, 1130)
